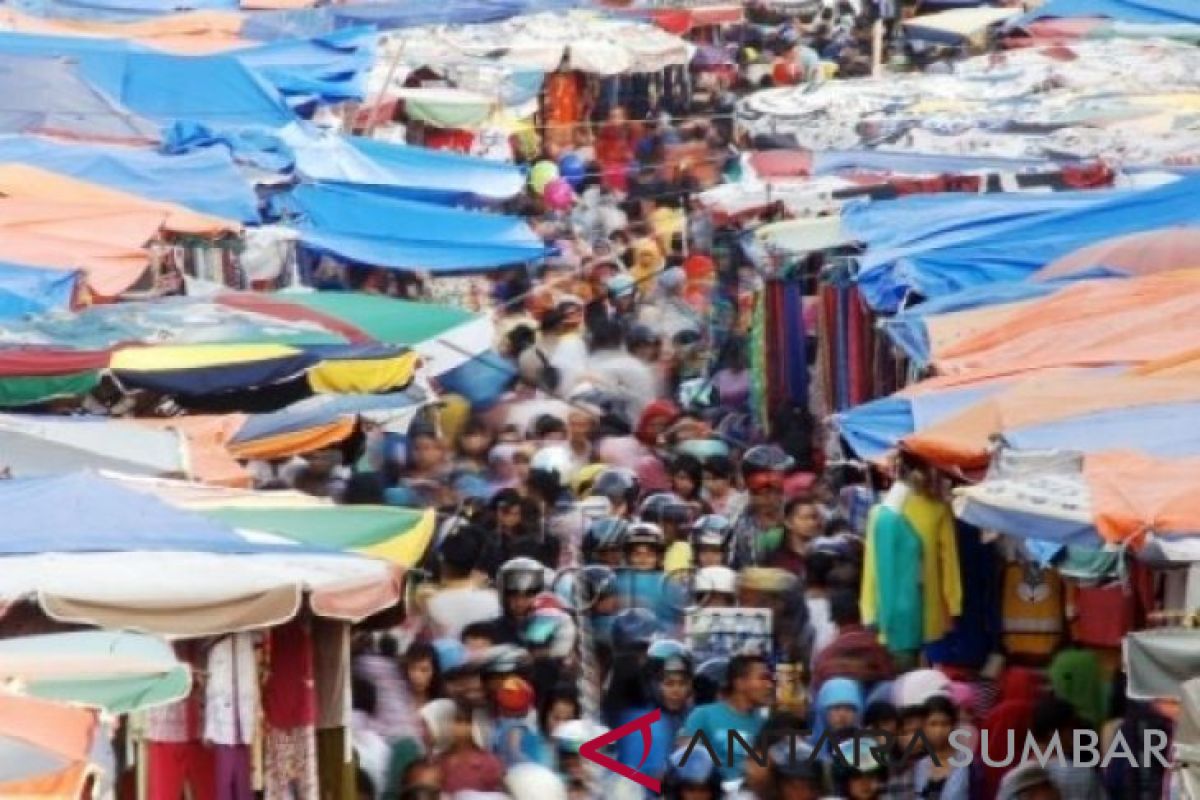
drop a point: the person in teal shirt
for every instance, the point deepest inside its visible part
(748, 691)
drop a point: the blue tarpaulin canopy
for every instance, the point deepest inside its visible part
(368, 228)
(874, 428)
(329, 68)
(215, 89)
(82, 512)
(29, 290)
(271, 25)
(1164, 431)
(1140, 11)
(829, 162)
(48, 95)
(940, 244)
(205, 180)
(413, 173)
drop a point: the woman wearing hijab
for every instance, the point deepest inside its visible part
(838, 709)
(1075, 676)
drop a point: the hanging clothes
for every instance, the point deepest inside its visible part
(941, 583)
(976, 633)
(331, 672)
(231, 712)
(176, 757)
(1031, 609)
(891, 568)
(290, 712)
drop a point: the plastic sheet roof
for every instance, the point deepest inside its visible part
(940, 244)
(380, 231)
(590, 43)
(1139, 11)
(205, 180)
(49, 96)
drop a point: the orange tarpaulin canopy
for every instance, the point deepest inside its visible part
(50, 220)
(63, 731)
(963, 440)
(188, 33)
(1142, 253)
(1093, 323)
(1133, 495)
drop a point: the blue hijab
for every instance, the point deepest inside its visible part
(835, 692)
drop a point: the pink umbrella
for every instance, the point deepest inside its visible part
(1143, 253)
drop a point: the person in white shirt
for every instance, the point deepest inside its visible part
(460, 600)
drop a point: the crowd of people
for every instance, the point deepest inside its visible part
(620, 502)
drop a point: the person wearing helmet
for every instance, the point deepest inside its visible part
(859, 775)
(568, 737)
(644, 546)
(759, 527)
(710, 537)
(664, 682)
(715, 587)
(621, 487)
(696, 778)
(551, 471)
(604, 542)
(672, 514)
(749, 689)
(519, 582)
(642, 583)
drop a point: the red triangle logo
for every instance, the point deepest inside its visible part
(591, 749)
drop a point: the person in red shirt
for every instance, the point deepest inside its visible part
(855, 652)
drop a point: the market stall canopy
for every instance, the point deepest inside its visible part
(48, 445)
(938, 244)
(874, 429)
(397, 535)
(957, 26)
(367, 228)
(1066, 411)
(401, 171)
(116, 671)
(44, 748)
(1091, 323)
(1114, 498)
(327, 69)
(89, 550)
(341, 343)
(390, 15)
(1143, 253)
(49, 96)
(928, 329)
(1138, 11)
(204, 180)
(587, 41)
(53, 221)
(29, 290)
(189, 33)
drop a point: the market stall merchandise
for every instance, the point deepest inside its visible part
(1120, 100)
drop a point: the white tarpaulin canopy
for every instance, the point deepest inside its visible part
(48, 445)
(589, 43)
